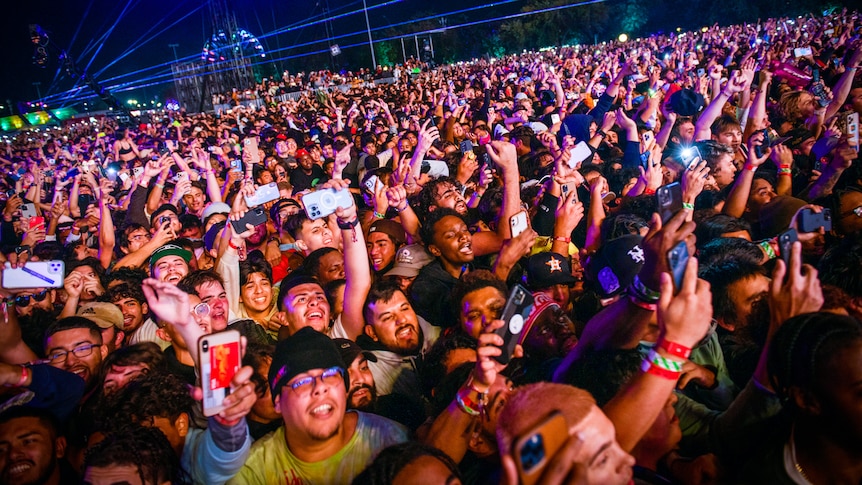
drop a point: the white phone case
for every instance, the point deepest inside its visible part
(220, 360)
(35, 274)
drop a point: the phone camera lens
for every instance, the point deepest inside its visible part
(205, 345)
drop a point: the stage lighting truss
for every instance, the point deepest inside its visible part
(243, 43)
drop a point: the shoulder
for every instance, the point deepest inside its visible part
(380, 429)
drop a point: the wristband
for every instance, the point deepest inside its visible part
(161, 186)
(347, 225)
(642, 293)
(686, 205)
(566, 240)
(658, 360)
(785, 171)
(655, 370)
(675, 349)
(649, 191)
(402, 209)
(767, 248)
(379, 215)
(25, 373)
(473, 408)
(230, 244)
(750, 168)
(650, 307)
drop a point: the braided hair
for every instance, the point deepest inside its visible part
(804, 345)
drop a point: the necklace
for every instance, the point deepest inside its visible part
(801, 471)
(793, 455)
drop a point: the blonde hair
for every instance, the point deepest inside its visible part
(530, 404)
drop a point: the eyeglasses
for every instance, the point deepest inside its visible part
(201, 310)
(329, 377)
(80, 352)
(25, 299)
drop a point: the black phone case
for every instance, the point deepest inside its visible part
(669, 200)
(785, 244)
(677, 259)
(810, 221)
(515, 313)
(255, 217)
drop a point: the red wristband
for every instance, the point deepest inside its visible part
(655, 370)
(649, 191)
(230, 243)
(675, 349)
(224, 422)
(563, 239)
(650, 307)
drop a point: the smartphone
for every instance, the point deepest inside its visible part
(72, 174)
(802, 51)
(182, 176)
(250, 144)
(580, 152)
(689, 156)
(555, 118)
(255, 217)
(514, 314)
(28, 210)
(466, 146)
(818, 90)
(759, 150)
(785, 244)
(701, 72)
(220, 359)
(677, 259)
(537, 447)
(236, 165)
(84, 201)
(123, 176)
(518, 223)
(263, 194)
(851, 123)
(810, 221)
(35, 274)
(137, 171)
(36, 222)
(371, 183)
(321, 203)
(669, 200)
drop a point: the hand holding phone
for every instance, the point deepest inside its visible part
(518, 223)
(536, 448)
(514, 314)
(220, 359)
(669, 200)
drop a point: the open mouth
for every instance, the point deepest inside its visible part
(467, 248)
(322, 411)
(20, 468)
(405, 332)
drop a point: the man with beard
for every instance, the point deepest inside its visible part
(31, 449)
(308, 174)
(361, 392)
(170, 263)
(396, 336)
(74, 344)
(320, 442)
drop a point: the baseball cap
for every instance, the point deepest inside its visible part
(520, 96)
(390, 228)
(303, 351)
(170, 250)
(215, 208)
(103, 314)
(686, 102)
(350, 349)
(614, 266)
(541, 302)
(777, 215)
(409, 260)
(548, 269)
(163, 208)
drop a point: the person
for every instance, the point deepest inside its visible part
(75, 345)
(406, 462)
(139, 455)
(384, 238)
(137, 324)
(321, 442)
(32, 448)
(109, 319)
(409, 260)
(170, 263)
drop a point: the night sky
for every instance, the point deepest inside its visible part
(77, 26)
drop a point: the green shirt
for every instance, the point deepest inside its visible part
(271, 462)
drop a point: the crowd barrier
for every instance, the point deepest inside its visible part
(258, 102)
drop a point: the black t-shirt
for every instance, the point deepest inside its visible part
(304, 181)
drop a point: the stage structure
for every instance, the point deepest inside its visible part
(225, 63)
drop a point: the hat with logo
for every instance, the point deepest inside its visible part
(103, 314)
(303, 351)
(548, 269)
(350, 349)
(409, 260)
(686, 102)
(170, 250)
(614, 266)
(390, 228)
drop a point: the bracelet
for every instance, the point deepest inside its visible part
(650, 307)
(406, 206)
(686, 205)
(25, 373)
(675, 349)
(379, 215)
(649, 368)
(658, 360)
(785, 171)
(767, 248)
(566, 240)
(230, 244)
(466, 404)
(161, 186)
(642, 293)
(750, 168)
(649, 191)
(346, 225)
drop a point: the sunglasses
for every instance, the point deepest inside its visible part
(24, 300)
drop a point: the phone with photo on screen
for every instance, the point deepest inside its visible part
(220, 359)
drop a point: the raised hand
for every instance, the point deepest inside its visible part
(685, 318)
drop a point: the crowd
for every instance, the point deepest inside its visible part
(599, 264)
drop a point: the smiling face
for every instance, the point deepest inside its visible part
(306, 306)
(28, 452)
(315, 235)
(195, 199)
(213, 294)
(381, 250)
(314, 415)
(479, 308)
(68, 340)
(395, 325)
(170, 269)
(256, 294)
(133, 313)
